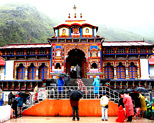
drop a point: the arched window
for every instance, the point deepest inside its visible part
(20, 52)
(57, 66)
(30, 52)
(142, 50)
(132, 50)
(32, 72)
(43, 70)
(108, 72)
(109, 50)
(132, 71)
(120, 71)
(121, 50)
(21, 72)
(42, 51)
(10, 52)
(94, 66)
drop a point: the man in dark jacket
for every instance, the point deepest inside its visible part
(14, 106)
(10, 96)
(66, 79)
(74, 104)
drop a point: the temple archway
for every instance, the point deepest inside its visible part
(75, 57)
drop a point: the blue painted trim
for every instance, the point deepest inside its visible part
(108, 72)
(81, 32)
(69, 32)
(101, 59)
(93, 32)
(57, 33)
(148, 67)
(5, 70)
(51, 58)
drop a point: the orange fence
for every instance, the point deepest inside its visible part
(63, 108)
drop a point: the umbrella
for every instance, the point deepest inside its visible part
(75, 94)
(141, 89)
(126, 91)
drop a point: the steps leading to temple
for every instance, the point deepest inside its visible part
(87, 82)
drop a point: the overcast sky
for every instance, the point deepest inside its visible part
(113, 12)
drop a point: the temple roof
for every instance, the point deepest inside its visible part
(126, 43)
(37, 45)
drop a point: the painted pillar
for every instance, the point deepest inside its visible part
(37, 73)
(69, 32)
(81, 32)
(26, 73)
(93, 32)
(138, 73)
(15, 73)
(57, 33)
(51, 62)
(115, 74)
(5, 72)
(127, 77)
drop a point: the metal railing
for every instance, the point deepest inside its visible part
(62, 92)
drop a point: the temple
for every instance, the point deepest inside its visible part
(75, 42)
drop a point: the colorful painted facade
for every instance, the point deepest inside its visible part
(120, 63)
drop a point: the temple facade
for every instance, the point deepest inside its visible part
(75, 42)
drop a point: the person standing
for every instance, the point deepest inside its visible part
(66, 79)
(36, 93)
(78, 71)
(104, 103)
(127, 100)
(96, 86)
(143, 104)
(10, 96)
(60, 83)
(74, 104)
(137, 106)
(14, 106)
(20, 105)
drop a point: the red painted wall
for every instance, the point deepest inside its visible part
(63, 108)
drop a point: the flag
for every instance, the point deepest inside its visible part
(30, 39)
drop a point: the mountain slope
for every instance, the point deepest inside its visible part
(20, 22)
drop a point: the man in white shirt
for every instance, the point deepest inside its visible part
(104, 103)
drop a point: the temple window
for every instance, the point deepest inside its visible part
(132, 50)
(109, 50)
(10, 52)
(32, 72)
(57, 66)
(20, 52)
(121, 50)
(41, 51)
(149, 51)
(30, 52)
(43, 70)
(94, 66)
(21, 72)
(142, 50)
(58, 53)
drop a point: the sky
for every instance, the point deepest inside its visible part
(113, 12)
(135, 16)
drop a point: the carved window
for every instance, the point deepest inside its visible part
(109, 50)
(142, 50)
(132, 50)
(121, 50)
(20, 52)
(10, 52)
(30, 52)
(41, 51)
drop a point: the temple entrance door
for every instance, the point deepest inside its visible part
(75, 57)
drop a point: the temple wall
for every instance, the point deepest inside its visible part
(9, 70)
(144, 68)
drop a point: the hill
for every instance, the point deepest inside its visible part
(20, 22)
